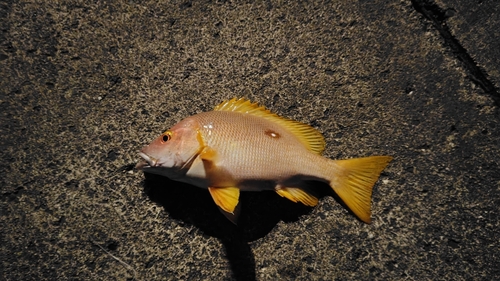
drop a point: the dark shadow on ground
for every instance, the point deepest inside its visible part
(260, 212)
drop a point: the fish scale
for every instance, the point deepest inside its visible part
(241, 141)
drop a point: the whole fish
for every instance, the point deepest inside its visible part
(241, 146)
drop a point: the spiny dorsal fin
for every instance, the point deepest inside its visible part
(310, 137)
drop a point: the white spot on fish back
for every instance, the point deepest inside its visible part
(209, 128)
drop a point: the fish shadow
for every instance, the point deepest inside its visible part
(260, 212)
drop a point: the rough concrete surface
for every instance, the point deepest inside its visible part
(475, 24)
(86, 84)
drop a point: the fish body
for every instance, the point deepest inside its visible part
(241, 146)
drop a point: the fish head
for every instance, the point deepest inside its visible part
(172, 153)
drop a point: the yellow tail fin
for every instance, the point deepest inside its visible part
(354, 180)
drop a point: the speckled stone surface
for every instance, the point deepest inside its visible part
(85, 84)
(475, 24)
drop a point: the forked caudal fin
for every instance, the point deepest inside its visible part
(354, 180)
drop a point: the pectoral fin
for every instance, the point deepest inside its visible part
(197, 169)
(296, 194)
(208, 154)
(225, 197)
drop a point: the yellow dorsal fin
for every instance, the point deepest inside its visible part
(296, 194)
(354, 181)
(225, 197)
(310, 137)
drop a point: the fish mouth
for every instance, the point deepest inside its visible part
(146, 162)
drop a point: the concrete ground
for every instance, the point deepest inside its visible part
(85, 84)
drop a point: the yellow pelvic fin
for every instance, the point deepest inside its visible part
(233, 217)
(225, 197)
(296, 194)
(308, 136)
(354, 181)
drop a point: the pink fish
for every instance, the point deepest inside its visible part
(241, 146)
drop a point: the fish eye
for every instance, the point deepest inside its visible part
(166, 137)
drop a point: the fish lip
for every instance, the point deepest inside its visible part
(146, 162)
(142, 164)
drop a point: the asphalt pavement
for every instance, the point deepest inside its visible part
(85, 84)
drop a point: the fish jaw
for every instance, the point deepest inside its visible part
(141, 165)
(149, 164)
(146, 162)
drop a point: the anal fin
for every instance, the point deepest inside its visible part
(296, 194)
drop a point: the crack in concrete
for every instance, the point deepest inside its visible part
(438, 18)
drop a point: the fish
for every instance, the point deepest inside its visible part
(242, 146)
